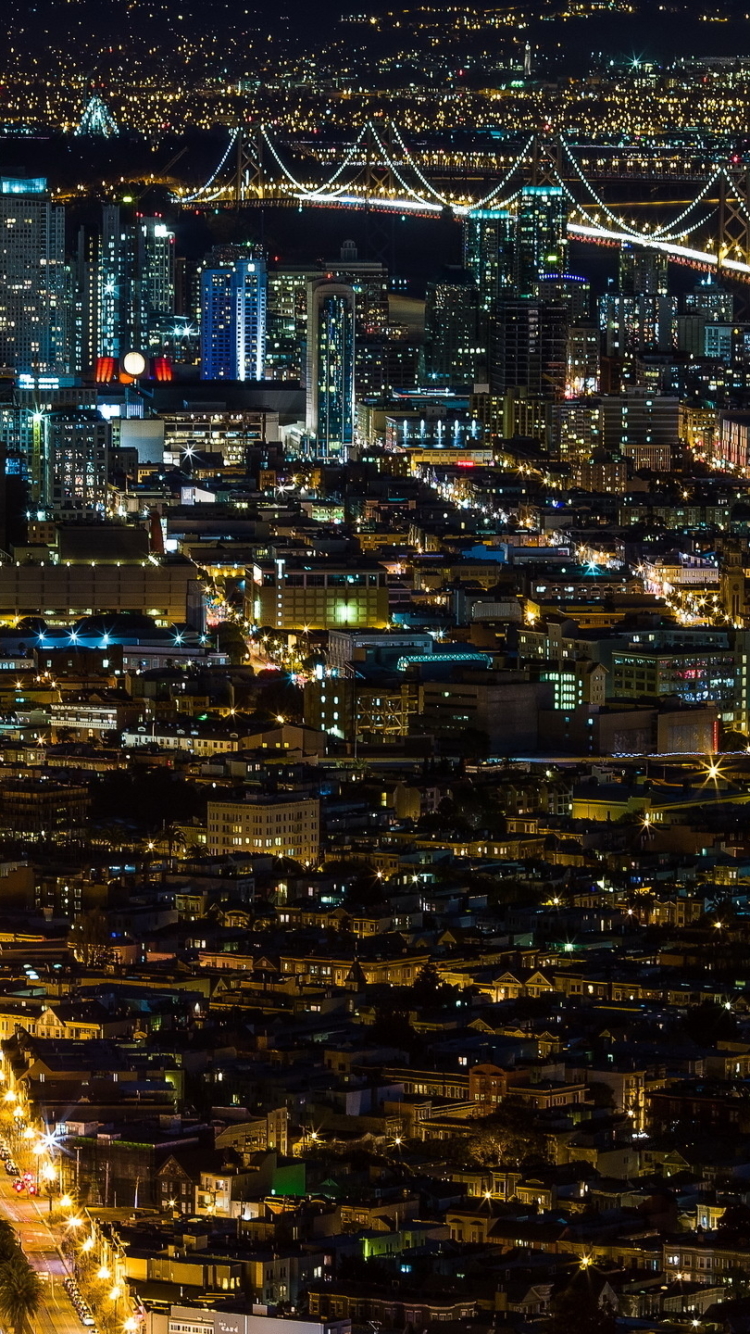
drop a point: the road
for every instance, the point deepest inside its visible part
(29, 1217)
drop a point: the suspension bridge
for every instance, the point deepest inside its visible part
(378, 170)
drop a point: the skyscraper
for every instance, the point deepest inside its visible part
(86, 300)
(541, 241)
(249, 315)
(643, 272)
(454, 348)
(154, 289)
(135, 283)
(583, 360)
(330, 367)
(631, 322)
(488, 248)
(287, 322)
(32, 278)
(532, 349)
(73, 457)
(233, 321)
(708, 299)
(571, 289)
(116, 283)
(287, 307)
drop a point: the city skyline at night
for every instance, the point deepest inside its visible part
(375, 668)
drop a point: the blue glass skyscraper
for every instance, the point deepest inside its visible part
(330, 367)
(233, 321)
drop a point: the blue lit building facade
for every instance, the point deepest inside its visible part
(233, 321)
(330, 368)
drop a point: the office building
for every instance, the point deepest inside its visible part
(21, 417)
(86, 300)
(217, 342)
(170, 591)
(295, 593)
(32, 278)
(571, 289)
(287, 322)
(155, 286)
(369, 280)
(639, 417)
(287, 308)
(574, 428)
(583, 361)
(632, 322)
(329, 418)
(115, 284)
(373, 711)
(248, 295)
(731, 444)
(694, 674)
(384, 365)
(214, 431)
(531, 342)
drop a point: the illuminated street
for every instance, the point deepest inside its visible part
(38, 1238)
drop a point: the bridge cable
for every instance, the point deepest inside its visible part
(441, 198)
(605, 207)
(292, 180)
(509, 173)
(408, 188)
(669, 226)
(188, 199)
(347, 159)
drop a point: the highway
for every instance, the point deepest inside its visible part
(29, 1217)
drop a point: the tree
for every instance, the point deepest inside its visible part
(429, 989)
(230, 640)
(508, 1136)
(20, 1292)
(736, 1219)
(392, 1028)
(707, 1024)
(579, 1309)
(89, 938)
(9, 1243)
(278, 696)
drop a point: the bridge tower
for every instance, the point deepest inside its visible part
(248, 178)
(377, 175)
(734, 214)
(546, 161)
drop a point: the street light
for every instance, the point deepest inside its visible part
(37, 1151)
(49, 1173)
